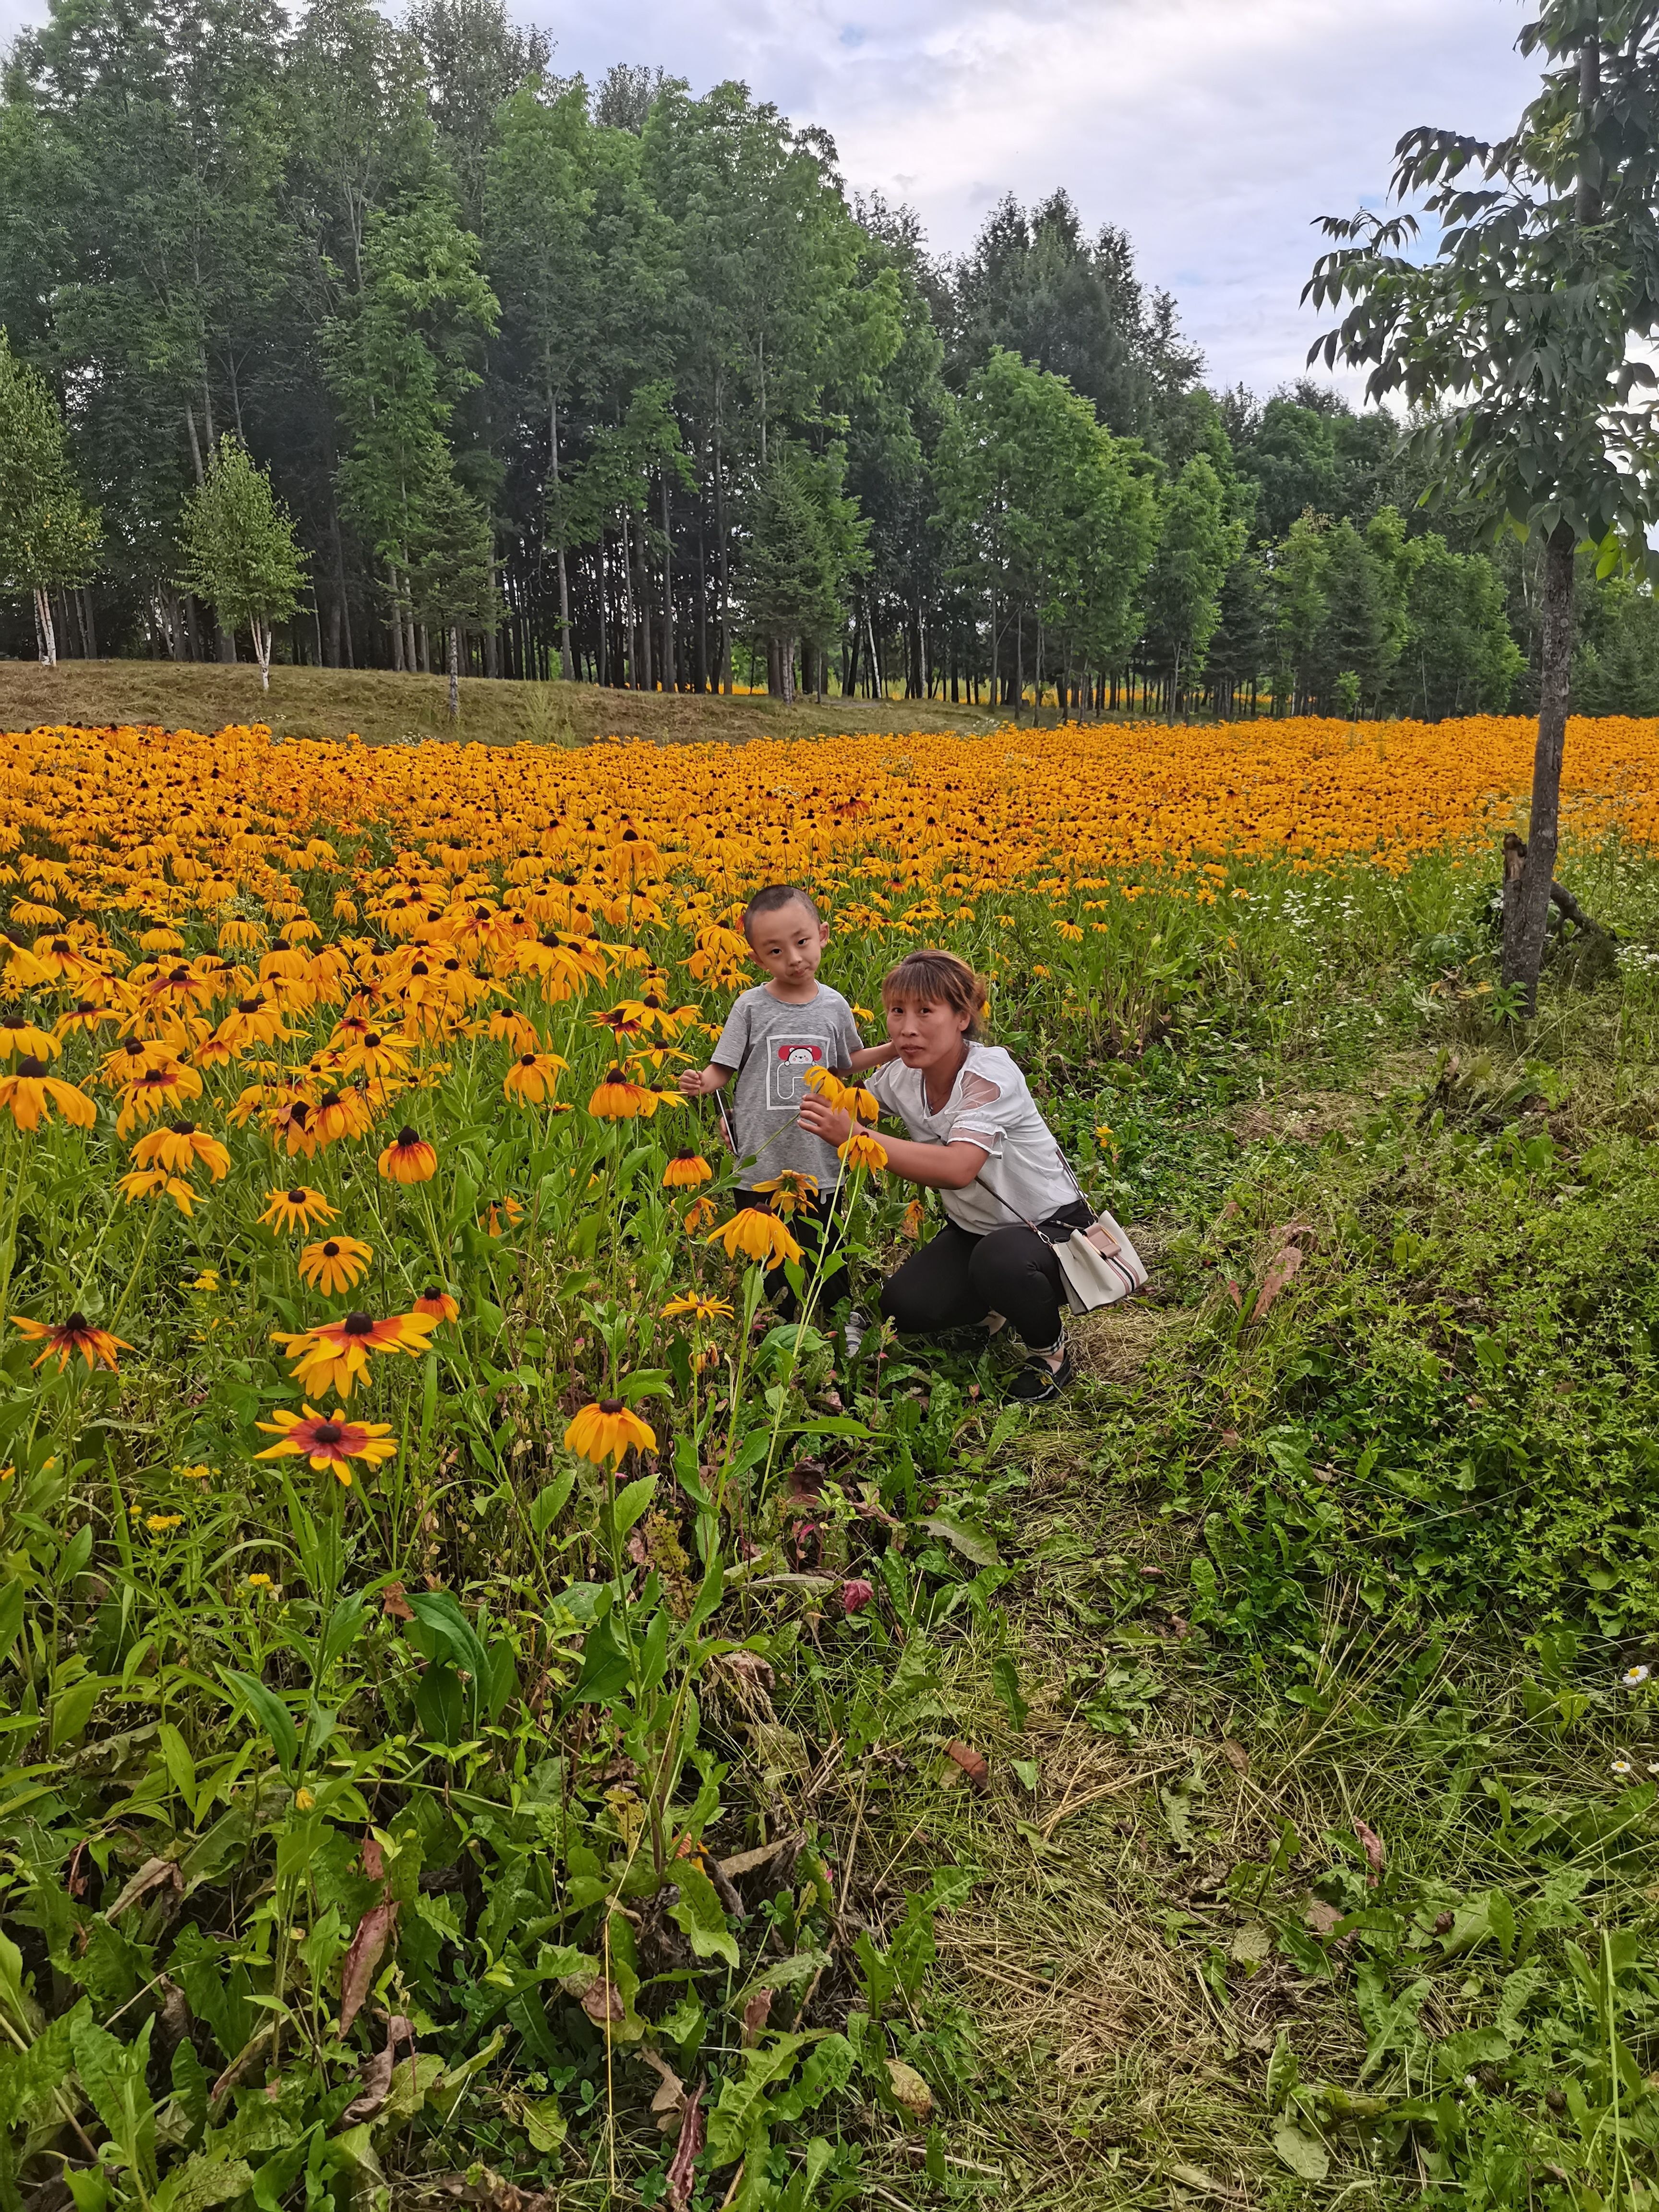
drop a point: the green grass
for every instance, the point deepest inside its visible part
(384, 708)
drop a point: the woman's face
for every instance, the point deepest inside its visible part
(925, 1035)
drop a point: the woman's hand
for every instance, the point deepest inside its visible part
(821, 1120)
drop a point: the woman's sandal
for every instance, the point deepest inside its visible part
(1036, 1383)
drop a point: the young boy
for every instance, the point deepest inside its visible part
(773, 1035)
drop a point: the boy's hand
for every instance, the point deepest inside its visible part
(698, 1082)
(820, 1119)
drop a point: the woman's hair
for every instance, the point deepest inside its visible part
(939, 979)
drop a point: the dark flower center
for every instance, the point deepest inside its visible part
(76, 1325)
(527, 1060)
(611, 1405)
(329, 1098)
(249, 1006)
(327, 1432)
(133, 1049)
(431, 1292)
(420, 968)
(331, 1250)
(685, 1156)
(358, 1324)
(280, 946)
(298, 1197)
(182, 1128)
(31, 1067)
(179, 976)
(372, 1038)
(408, 1137)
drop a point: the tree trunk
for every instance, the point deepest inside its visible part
(1526, 915)
(567, 665)
(261, 644)
(455, 674)
(90, 622)
(668, 676)
(45, 633)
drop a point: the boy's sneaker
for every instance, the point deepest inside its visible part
(1037, 1383)
(852, 1330)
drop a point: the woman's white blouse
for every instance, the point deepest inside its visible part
(1025, 1177)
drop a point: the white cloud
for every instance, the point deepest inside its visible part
(1215, 132)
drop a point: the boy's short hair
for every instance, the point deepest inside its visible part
(773, 900)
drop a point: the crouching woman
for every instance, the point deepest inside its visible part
(975, 1136)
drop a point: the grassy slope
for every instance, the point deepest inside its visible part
(1146, 1931)
(390, 709)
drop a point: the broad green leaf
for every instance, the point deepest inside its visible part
(550, 1502)
(967, 1537)
(201, 2182)
(1304, 2154)
(72, 1709)
(181, 1767)
(111, 2072)
(699, 1914)
(268, 1709)
(631, 1502)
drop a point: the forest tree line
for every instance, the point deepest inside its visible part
(621, 384)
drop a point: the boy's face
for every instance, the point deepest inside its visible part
(788, 943)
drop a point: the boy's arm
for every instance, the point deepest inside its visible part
(729, 1049)
(869, 1055)
(701, 1082)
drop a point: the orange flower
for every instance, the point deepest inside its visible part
(532, 1077)
(789, 1191)
(19, 1035)
(700, 1214)
(685, 1172)
(296, 1208)
(328, 1440)
(178, 1147)
(66, 1338)
(620, 1099)
(408, 1158)
(334, 1354)
(608, 1430)
(152, 1182)
(862, 1152)
(438, 1304)
(752, 1235)
(154, 1092)
(335, 1264)
(27, 1094)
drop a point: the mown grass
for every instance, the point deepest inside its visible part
(387, 708)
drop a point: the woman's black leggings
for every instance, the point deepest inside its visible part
(957, 1279)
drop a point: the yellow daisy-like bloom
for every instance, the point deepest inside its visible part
(789, 1191)
(29, 1094)
(608, 1430)
(618, 1098)
(259, 1582)
(760, 1238)
(700, 1214)
(328, 1441)
(335, 1264)
(18, 1036)
(438, 1304)
(408, 1158)
(685, 1172)
(178, 1146)
(862, 1152)
(335, 1354)
(693, 1307)
(376, 1053)
(531, 1077)
(508, 1026)
(66, 1338)
(154, 1092)
(200, 1473)
(156, 1182)
(159, 1524)
(297, 1207)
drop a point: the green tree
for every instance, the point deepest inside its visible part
(1517, 335)
(804, 538)
(49, 535)
(1457, 656)
(239, 556)
(1198, 543)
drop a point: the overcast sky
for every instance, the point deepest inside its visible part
(1215, 132)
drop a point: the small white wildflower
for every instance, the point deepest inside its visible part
(1622, 1767)
(1632, 1675)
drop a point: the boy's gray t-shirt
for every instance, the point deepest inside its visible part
(771, 1045)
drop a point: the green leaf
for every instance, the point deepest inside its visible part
(1304, 2154)
(72, 1709)
(966, 1537)
(550, 1502)
(630, 1502)
(11, 1614)
(267, 1709)
(181, 1767)
(206, 2179)
(700, 1916)
(1005, 1676)
(344, 1626)
(113, 2074)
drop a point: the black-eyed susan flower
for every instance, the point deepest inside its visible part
(339, 1114)
(180, 1146)
(297, 1207)
(862, 1152)
(252, 1020)
(334, 1354)
(18, 1036)
(87, 1017)
(754, 1236)
(336, 1263)
(619, 1098)
(329, 1441)
(531, 1077)
(789, 1191)
(438, 1304)
(408, 1158)
(508, 1026)
(157, 1091)
(692, 1306)
(699, 1214)
(66, 1338)
(30, 1095)
(608, 1432)
(156, 1182)
(502, 1214)
(685, 1172)
(376, 1053)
